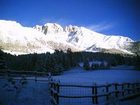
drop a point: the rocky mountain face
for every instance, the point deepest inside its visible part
(134, 48)
(17, 39)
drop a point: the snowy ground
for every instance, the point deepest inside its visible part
(32, 93)
(116, 74)
(36, 93)
(79, 76)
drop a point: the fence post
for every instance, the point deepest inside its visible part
(94, 93)
(137, 87)
(133, 86)
(128, 87)
(107, 91)
(54, 93)
(49, 77)
(57, 94)
(51, 92)
(123, 89)
(96, 98)
(35, 73)
(116, 90)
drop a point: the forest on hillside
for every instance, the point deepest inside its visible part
(60, 61)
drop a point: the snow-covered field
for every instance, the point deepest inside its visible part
(31, 93)
(36, 93)
(120, 74)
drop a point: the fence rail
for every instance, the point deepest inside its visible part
(121, 91)
(29, 73)
(33, 87)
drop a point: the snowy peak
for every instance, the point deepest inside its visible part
(9, 24)
(49, 28)
(71, 28)
(21, 40)
(84, 38)
(17, 38)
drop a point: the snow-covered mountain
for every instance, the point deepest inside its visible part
(17, 39)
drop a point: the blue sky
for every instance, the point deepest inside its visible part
(114, 17)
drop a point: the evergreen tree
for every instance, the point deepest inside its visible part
(71, 57)
(2, 60)
(137, 64)
(86, 65)
(58, 68)
(93, 67)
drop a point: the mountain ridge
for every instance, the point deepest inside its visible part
(16, 38)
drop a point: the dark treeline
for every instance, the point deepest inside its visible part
(60, 61)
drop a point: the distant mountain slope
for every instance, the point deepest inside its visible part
(84, 38)
(15, 38)
(135, 47)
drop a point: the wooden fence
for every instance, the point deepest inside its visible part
(26, 74)
(31, 85)
(121, 91)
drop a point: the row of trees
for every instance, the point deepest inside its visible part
(2, 60)
(60, 61)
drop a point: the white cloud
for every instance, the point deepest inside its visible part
(100, 27)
